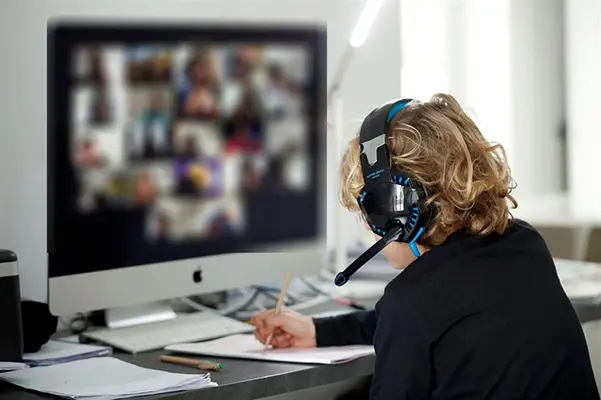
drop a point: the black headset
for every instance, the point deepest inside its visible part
(393, 204)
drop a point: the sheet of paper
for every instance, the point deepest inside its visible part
(248, 347)
(103, 378)
(11, 366)
(56, 351)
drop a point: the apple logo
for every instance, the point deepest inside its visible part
(197, 275)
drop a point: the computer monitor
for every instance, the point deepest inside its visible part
(182, 160)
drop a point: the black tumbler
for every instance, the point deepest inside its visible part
(11, 327)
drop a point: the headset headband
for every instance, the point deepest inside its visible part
(375, 162)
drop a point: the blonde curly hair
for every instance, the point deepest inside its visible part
(466, 179)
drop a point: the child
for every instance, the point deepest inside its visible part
(479, 313)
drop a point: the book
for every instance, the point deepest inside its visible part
(57, 351)
(246, 346)
(103, 378)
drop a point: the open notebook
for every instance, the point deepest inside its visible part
(248, 347)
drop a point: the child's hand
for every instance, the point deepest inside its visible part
(287, 329)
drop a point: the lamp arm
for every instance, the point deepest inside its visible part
(342, 67)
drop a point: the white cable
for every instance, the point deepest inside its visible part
(197, 306)
(327, 274)
(233, 308)
(260, 303)
(317, 300)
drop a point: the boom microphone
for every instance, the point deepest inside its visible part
(391, 236)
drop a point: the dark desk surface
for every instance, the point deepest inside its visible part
(242, 379)
(588, 312)
(239, 379)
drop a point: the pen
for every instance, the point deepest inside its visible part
(278, 306)
(200, 364)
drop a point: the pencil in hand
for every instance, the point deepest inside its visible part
(278, 306)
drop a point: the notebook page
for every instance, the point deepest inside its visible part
(104, 377)
(248, 347)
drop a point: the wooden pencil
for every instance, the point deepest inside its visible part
(200, 364)
(279, 304)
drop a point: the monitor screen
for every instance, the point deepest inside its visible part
(192, 143)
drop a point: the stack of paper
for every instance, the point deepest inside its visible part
(103, 378)
(11, 366)
(248, 347)
(56, 352)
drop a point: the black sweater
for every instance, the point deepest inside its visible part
(474, 318)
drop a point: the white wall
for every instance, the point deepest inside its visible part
(583, 79)
(537, 82)
(425, 59)
(503, 60)
(374, 76)
(460, 47)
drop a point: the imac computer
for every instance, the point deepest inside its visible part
(182, 159)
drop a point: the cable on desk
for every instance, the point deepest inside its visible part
(196, 306)
(318, 300)
(253, 300)
(340, 300)
(248, 298)
(314, 288)
(231, 311)
(287, 301)
(273, 293)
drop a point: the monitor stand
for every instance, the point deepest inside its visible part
(139, 314)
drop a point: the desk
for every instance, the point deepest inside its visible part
(241, 380)
(246, 380)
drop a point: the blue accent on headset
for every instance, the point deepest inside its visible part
(413, 218)
(378, 231)
(395, 109)
(413, 245)
(375, 174)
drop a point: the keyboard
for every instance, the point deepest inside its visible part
(186, 328)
